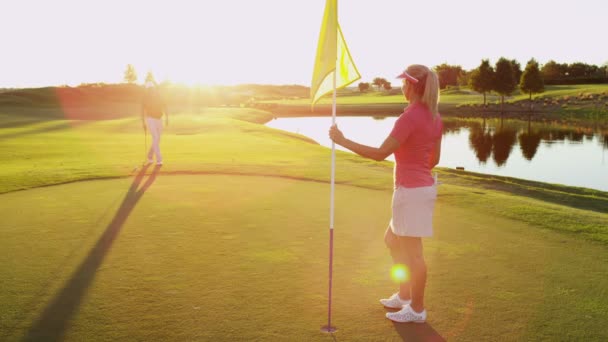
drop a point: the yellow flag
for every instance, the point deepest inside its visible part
(332, 57)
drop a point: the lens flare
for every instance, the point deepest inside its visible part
(400, 273)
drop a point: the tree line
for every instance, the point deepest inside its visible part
(506, 75)
(502, 78)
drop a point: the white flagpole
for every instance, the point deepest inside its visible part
(329, 327)
(333, 159)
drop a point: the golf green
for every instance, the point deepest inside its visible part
(161, 257)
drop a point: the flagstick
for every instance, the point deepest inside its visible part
(329, 328)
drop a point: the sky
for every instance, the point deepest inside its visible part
(274, 41)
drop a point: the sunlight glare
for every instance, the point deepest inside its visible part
(400, 273)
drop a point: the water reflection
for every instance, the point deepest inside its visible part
(529, 141)
(499, 143)
(496, 139)
(481, 140)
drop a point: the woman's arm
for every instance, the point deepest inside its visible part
(389, 145)
(436, 153)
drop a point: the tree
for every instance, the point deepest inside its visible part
(448, 74)
(379, 82)
(482, 78)
(553, 70)
(532, 80)
(130, 74)
(363, 86)
(504, 80)
(578, 70)
(387, 86)
(465, 78)
(516, 70)
(595, 71)
(150, 77)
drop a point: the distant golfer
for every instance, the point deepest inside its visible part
(416, 142)
(152, 110)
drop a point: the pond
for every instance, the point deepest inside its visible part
(553, 153)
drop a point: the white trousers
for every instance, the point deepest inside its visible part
(155, 127)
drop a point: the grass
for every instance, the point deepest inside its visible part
(54, 152)
(228, 241)
(568, 103)
(117, 270)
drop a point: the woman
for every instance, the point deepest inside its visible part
(152, 110)
(416, 142)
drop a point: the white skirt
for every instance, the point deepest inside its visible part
(413, 211)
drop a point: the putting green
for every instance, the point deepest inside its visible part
(217, 257)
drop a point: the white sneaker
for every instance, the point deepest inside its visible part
(395, 302)
(406, 315)
(160, 163)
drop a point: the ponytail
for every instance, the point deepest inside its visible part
(428, 86)
(431, 93)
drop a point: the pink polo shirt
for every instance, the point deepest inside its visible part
(417, 134)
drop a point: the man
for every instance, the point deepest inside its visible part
(152, 110)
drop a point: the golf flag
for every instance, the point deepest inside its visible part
(334, 69)
(333, 57)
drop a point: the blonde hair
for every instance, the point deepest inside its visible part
(427, 87)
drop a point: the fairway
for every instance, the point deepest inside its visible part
(162, 257)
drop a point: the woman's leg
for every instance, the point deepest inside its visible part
(159, 130)
(151, 126)
(413, 248)
(155, 128)
(400, 256)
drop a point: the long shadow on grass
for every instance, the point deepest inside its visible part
(54, 320)
(412, 332)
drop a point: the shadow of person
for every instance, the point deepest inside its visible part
(54, 320)
(412, 332)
